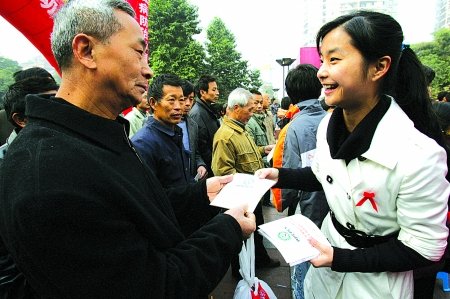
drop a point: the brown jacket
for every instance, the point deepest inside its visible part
(234, 150)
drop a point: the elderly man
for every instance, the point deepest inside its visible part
(89, 219)
(234, 151)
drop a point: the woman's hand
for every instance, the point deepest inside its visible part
(325, 257)
(267, 173)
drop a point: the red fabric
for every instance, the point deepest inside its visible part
(368, 196)
(261, 293)
(33, 18)
(293, 110)
(128, 110)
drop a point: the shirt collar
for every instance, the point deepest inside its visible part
(168, 130)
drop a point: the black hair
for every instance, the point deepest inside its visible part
(203, 84)
(187, 87)
(429, 73)
(376, 35)
(32, 72)
(14, 98)
(155, 89)
(255, 91)
(302, 83)
(285, 103)
(442, 95)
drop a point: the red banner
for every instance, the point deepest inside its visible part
(33, 18)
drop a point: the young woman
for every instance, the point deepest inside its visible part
(383, 177)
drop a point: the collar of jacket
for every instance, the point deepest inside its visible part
(111, 134)
(259, 117)
(308, 106)
(308, 103)
(207, 106)
(388, 137)
(393, 132)
(346, 145)
(152, 122)
(234, 124)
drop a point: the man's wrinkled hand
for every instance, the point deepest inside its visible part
(215, 184)
(246, 220)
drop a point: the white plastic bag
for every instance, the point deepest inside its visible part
(250, 287)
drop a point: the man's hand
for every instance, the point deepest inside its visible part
(281, 113)
(201, 172)
(267, 173)
(325, 258)
(268, 148)
(215, 184)
(246, 220)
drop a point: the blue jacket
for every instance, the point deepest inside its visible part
(161, 148)
(299, 149)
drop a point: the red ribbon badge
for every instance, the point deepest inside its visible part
(368, 196)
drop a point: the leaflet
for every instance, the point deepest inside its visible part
(244, 188)
(290, 235)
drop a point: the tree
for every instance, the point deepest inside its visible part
(225, 63)
(7, 68)
(435, 54)
(172, 25)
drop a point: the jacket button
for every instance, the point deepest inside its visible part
(350, 226)
(329, 179)
(361, 158)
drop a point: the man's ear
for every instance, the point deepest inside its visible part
(83, 48)
(152, 102)
(381, 67)
(19, 119)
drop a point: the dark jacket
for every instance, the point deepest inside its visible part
(83, 217)
(161, 147)
(208, 124)
(196, 159)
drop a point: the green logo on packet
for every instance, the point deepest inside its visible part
(284, 236)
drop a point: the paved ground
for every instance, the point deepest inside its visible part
(279, 278)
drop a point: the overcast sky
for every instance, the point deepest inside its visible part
(265, 30)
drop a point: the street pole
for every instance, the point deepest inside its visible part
(285, 62)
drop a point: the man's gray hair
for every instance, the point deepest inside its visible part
(239, 96)
(92, 17)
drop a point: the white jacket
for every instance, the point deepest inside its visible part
(406, 172)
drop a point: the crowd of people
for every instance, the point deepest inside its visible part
(106, 178)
